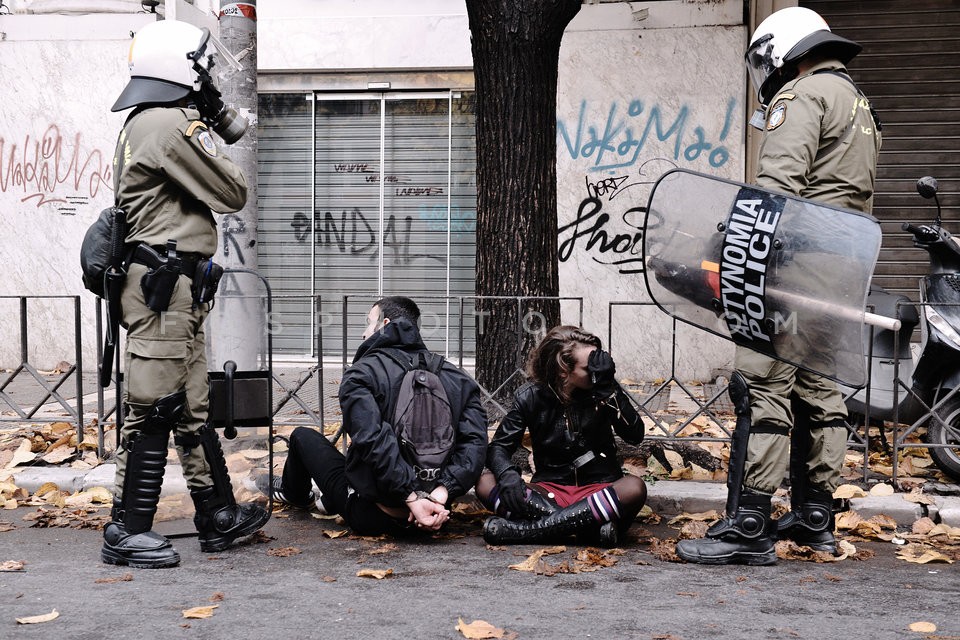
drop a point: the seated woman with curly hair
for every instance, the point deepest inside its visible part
(572, 406)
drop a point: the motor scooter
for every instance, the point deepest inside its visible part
(929, 378)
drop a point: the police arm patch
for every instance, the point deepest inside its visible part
(207, 143)
(778, 114)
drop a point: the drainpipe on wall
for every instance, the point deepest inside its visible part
(236, 330)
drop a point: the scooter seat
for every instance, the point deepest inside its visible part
(893, 305)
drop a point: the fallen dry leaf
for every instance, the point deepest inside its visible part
(12, 565)
(923, 627)
(47, 617)
(944, 530)
(333, 533)
(56, 455)
(693, 530)
(705, 516)
(592, 559)
(379, 574)
(923, 526)
(387, 548)
(789, 550)
(534, 558)
(328, 579)
(478, 630)
(217, 596)
(881, 489)
(200, 612)
(127, 577)
(665, 550)
(849, 491)
(22, 454)
(848, 520)
(919, 498)
(45, 488)
(283, 552)
(920, 554)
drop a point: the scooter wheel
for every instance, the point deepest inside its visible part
(945, 431)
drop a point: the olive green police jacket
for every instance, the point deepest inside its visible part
(820, 141)
(170, 175)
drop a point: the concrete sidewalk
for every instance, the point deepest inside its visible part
(665, 497)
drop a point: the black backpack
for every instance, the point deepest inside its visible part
(95, 251)
(422, 418)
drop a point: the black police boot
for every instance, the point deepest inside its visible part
(127, 538)
(744, 538)
(556, 527)
(219, 519)
(812, 523)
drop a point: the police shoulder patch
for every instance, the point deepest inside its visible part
(777, 116)
(192, 129)
(206, 142)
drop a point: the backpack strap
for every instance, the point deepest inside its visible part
(425, 360)
(400, 357)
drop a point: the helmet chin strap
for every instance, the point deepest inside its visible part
(777, 79)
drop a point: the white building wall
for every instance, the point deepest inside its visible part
(60, 75)
(643, 88)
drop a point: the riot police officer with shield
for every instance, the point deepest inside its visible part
(169, 178)
(820, 141)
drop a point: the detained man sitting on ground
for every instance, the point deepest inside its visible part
(381, 486)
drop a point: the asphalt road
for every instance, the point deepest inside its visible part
(315, 593)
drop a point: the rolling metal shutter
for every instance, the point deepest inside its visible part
(366, 195)
(910, 70)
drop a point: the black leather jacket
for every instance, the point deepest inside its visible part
(573, 444)
(375, 468)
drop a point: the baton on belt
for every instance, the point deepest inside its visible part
(113, 288)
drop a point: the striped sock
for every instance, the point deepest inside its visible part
(605, 505)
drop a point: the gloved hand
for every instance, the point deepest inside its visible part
(601, 367)
(513, 493)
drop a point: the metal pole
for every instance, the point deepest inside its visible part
(235, 321)
(78, 345)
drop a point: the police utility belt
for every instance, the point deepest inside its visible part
(164, 268)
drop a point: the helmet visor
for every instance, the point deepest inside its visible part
(760, 63)
(211, 46)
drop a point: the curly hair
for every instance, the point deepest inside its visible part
(553, 356)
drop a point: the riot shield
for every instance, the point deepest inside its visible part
(775, 273)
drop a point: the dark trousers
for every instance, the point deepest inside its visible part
(312, 456)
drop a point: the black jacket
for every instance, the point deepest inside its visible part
(375, 468)
(561, 435)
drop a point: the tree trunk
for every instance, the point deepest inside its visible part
(516, 51)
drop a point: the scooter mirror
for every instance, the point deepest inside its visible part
(927, 187)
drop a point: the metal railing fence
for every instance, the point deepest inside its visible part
(711, 404)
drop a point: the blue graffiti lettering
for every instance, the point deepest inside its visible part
(618, 145)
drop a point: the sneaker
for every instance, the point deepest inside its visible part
(276, 490)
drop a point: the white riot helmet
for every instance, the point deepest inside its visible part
(782, 40)
(171, 60)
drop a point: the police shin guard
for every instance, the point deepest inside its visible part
(128, 539)
(811, 523)
(219, 519)
(743, 536)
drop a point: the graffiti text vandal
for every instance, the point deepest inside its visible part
(47, 170)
